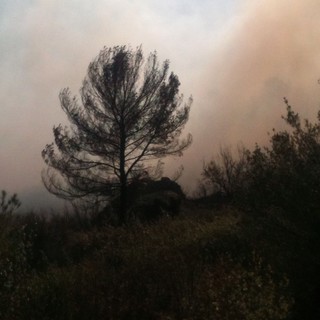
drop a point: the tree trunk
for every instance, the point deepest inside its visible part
(123, 200)
(123, 176)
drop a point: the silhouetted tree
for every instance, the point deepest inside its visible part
(127, 116)
(225, 174)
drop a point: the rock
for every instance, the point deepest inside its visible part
(151, 206)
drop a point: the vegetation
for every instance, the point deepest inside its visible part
(283, 175)
(191, 267)
(128, 116)
(8, 206)
(247, 249)
(278, 186)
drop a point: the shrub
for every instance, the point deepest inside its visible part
(8, 205)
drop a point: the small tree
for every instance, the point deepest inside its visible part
(127, 116)
(226, 173)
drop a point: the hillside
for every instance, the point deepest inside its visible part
(204, 264)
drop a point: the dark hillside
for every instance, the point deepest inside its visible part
(202, 264)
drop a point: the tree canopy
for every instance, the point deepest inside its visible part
(130, 112)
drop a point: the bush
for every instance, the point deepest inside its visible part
(287, 173)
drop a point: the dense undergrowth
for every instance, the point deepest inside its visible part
(205, 264)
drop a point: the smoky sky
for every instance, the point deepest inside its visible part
(238, 59)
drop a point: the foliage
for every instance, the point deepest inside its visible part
(8, 205)
(258, 262)
(286, 174)
(225, 174)
(13, 261)
(127, 116)
(279, 189)
(157, 271)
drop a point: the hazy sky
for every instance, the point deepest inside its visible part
(238, 58)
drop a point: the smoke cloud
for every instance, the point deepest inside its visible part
(238, 60)
(270, 51)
